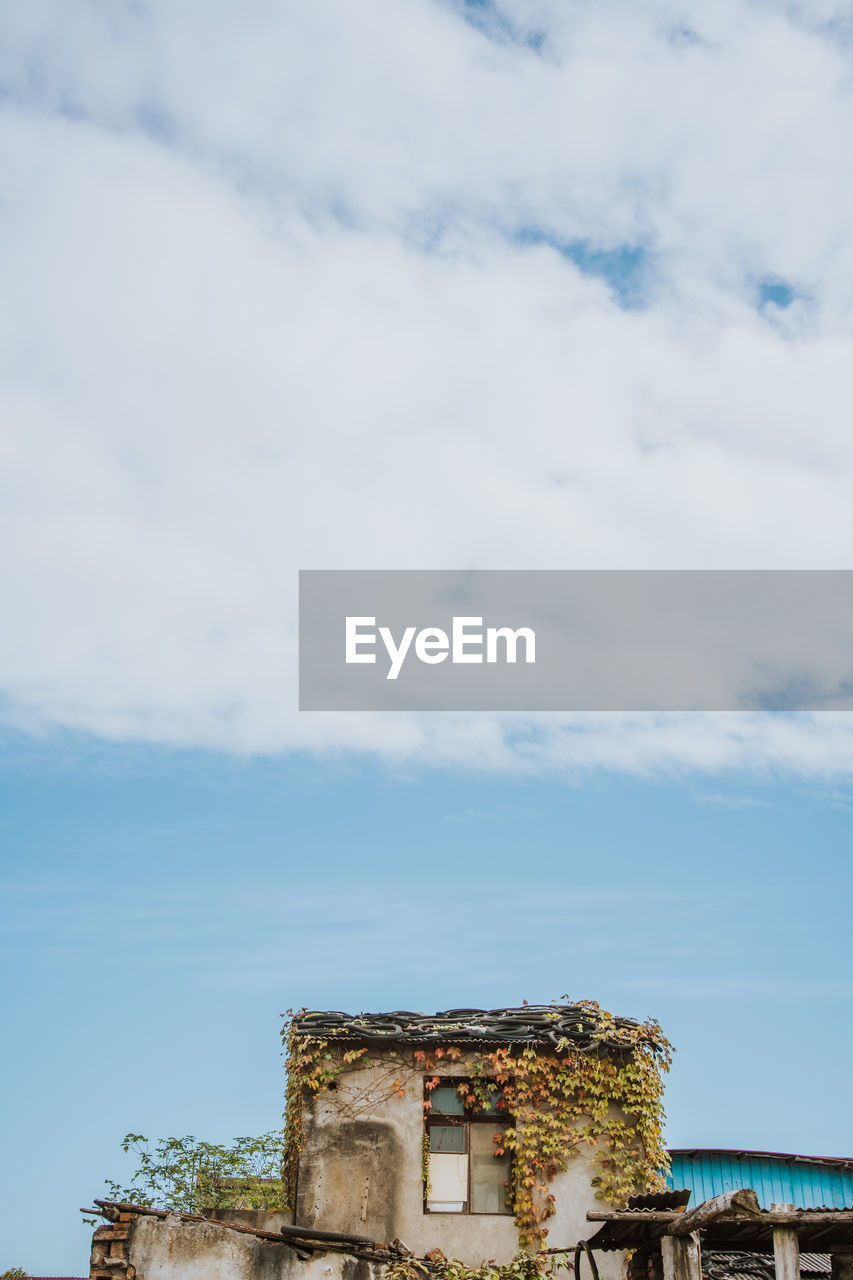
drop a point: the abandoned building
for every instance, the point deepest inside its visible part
(473, 1135)
(396, 1145)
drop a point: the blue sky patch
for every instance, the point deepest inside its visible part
(683, 37)
(774, 291)
(486, 17)
(624, 268)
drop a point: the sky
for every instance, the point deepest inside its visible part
(447, 284)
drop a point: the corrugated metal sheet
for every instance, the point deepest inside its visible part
(661, 1199)
(805, 1181)
(717, 1264)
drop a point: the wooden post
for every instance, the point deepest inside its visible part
(693, 1257)
(681, 1257)
(842, 1266)
(672, 1252)
(786, 1247)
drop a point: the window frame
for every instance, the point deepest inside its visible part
(464, 1120)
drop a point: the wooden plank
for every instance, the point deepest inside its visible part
(802, 1217)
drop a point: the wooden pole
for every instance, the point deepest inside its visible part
(693, 1257)
(682, 1258)
(672, 1253)
(786, 1246)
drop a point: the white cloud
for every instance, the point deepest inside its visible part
(265, 308)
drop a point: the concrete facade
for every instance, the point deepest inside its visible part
(361, 1172)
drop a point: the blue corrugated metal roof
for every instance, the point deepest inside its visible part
(805, 1181)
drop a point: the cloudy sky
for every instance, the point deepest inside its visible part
(503, 284)
(534, 285)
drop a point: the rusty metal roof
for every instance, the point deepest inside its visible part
(530, 1024)
(660, 1199)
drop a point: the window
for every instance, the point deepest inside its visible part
(469, 1167)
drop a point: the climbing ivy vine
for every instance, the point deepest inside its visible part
(522, 1267)
(311, 1068)
(608, 1095)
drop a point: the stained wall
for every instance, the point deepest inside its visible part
(361, 1172)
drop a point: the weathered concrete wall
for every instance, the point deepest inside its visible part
(354, 1175)
(361, 1172)
(172, 1248)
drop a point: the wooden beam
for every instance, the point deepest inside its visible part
(672, 1253)
(803, 1217)
(732, 1204)
(786, 1253)
(694, 1257)
(681, 1258)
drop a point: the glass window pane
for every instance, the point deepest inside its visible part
(490, 1173)
(446, 1137)
(446, 1100)
(448, 1178)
